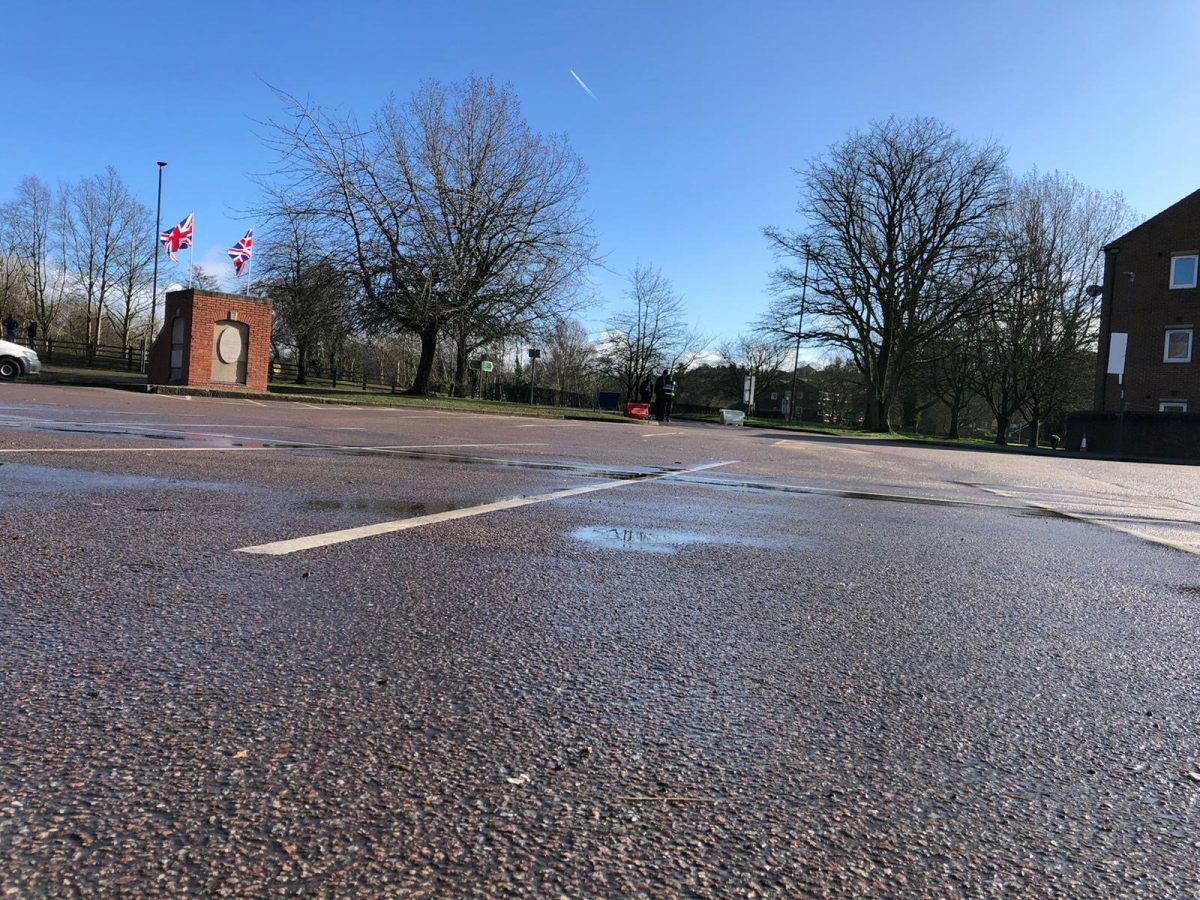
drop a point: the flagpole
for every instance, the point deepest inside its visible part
(192, 255)
(157, 241)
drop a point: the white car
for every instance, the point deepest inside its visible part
(16, 360)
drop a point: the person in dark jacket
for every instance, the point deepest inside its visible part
(646, 389)
(664, 391)
(10, 328)
(31, 331)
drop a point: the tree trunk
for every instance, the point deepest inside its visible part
(462, 387)
(420, 385)
(1002, 430)
(952, 431)
(302, 362)
(1035, 423)
(908, 415)
(876, 418)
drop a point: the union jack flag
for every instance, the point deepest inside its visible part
(241, 252)
(178, 238)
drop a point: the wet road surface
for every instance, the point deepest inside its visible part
(494, 655)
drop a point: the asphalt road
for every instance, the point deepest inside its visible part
(276, 648)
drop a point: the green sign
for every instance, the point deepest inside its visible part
(487, 365)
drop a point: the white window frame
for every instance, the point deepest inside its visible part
(1195, 271)
(1182, 404)
(1167, 345)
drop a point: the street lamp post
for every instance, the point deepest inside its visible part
(154, 280)
(534, 353)
(799, 332)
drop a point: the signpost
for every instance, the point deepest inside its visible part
(748, 394)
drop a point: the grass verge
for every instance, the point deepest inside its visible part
(351, 396)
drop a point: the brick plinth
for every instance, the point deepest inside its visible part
(202, 312)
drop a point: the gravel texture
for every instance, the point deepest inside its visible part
(685, 687)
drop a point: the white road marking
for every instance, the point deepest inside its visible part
(255, 402)
(549, 425)
(816, 447)
(445, 446)
(294, 545)
(1182, 546)
(661, 433)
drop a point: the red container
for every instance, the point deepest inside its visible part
(637, 410)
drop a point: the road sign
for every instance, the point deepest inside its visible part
(748, 389)
(487, 365)
(1118, 341)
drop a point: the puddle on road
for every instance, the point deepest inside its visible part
(21, 481)
(397, 509)
(656, 540)
(67, 428)
(730, 484)
(581, 470)
(302, 448)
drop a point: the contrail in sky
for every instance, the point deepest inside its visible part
(582, 85)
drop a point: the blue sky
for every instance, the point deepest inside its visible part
(704, 109)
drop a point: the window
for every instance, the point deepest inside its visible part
(1183, 271)
(1172, 406)
(1178, 346)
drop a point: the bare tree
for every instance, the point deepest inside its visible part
(99, 218)
(202, 280)
(31, 216)
(899, 223)
(12, 267)
(570, 357)
(761, 357)
(650, 335)
(452, 213)
(310, 291)
(951, 371)
(1060, 226)
(131, 290)
(1042, 316)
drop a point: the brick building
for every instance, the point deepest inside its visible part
(1150, 315)
(213, 340)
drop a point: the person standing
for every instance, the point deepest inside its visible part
(664, 395)
(31, 331)
(646, 390)
(10, 328)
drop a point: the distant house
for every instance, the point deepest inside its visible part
(777, 400)
(1149, 361)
